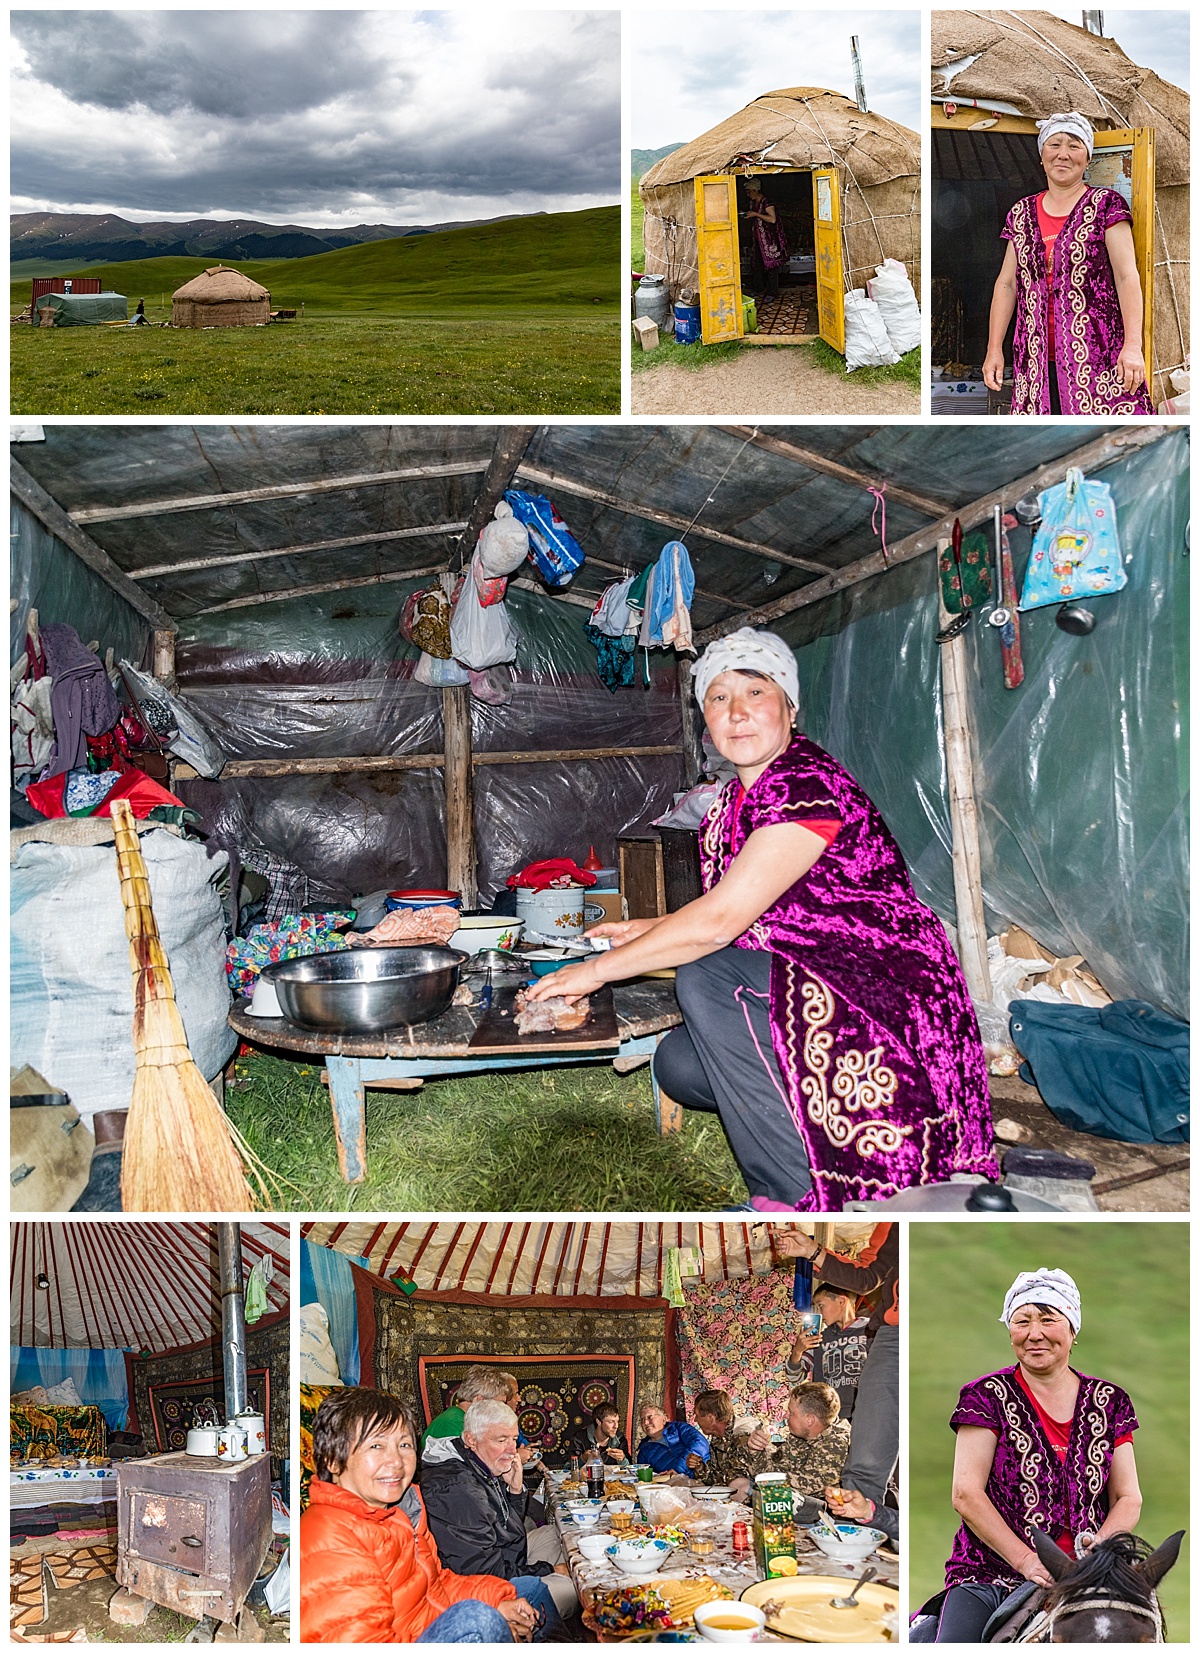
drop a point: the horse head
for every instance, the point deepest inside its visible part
(1109, 1596)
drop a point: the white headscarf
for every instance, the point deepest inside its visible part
(1049, 1286)
(1077, 125)
(748, 650)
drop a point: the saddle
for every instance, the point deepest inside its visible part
(1013, 1614)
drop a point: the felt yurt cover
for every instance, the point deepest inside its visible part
(220, 297)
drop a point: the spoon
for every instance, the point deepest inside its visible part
(849, 1601)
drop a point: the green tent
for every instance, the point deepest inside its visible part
(83, 309)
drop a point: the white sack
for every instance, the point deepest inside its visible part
(867, 342)
(893, 293)
(70, 990)
(504, 543)
(481, 637)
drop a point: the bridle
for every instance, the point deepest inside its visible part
(1041, 1627)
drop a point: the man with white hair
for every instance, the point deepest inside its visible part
(474, 1502)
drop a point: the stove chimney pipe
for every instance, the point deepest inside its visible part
(233, 1317)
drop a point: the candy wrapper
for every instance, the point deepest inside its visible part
(633, 1607)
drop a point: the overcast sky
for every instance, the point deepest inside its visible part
(1157, 40)
(693, 69)
(317, 117)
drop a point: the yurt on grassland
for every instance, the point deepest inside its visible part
(220, 297)
(994, 74)
(846, 184)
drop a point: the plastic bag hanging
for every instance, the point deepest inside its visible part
(481, 637)
(1077, 550)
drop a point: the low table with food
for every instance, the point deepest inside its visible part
(655, 1561)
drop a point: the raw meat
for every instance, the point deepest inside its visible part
(550, 1015)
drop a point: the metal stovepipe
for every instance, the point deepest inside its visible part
(233, 1317)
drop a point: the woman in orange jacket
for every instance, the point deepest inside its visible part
(369, 1567)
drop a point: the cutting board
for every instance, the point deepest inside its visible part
(497, 1031)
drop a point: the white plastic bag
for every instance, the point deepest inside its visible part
(481, 637)
(893, 293)
(439, 674)
(867, 342)
(503, 544)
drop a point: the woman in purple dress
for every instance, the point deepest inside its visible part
(826, 1019)
(770, 244)
(1070, 274)
(1040, 1447)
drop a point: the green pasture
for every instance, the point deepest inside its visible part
(551, 1139)
(519, 317)
(1133, 1279)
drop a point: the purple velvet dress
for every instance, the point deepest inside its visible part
(1088, 331)
(871, 1022)
(1029, 1485)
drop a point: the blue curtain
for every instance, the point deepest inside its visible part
(326, 1278)
(98, 1375)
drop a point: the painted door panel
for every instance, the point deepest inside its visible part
(1124, 161)
(831, 283)
(717, 248)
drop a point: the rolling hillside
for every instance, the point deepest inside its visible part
(553, 260)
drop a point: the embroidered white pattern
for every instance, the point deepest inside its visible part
(1031, 1459)
(860, 1080)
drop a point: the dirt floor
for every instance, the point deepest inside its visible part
(766, 380)
(84, 1606)
(1130, 1176)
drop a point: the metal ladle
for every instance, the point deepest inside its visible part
(849, 1601)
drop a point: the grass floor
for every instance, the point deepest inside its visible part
(553, 363)
(552, 1139)
(1133, 1278)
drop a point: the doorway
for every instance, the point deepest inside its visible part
(788, 304)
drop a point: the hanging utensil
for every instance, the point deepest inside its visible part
(1000, 615)
(849, 1601)
(1010, 636)
(485, 997)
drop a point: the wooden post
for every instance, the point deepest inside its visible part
(460, 807)
(164, 658)
(689, 712)
(964, 822)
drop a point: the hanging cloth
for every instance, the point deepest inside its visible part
(669, 606)
(611, 613)
(83, 699)
(614, 658)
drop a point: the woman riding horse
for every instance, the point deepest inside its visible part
(1041, 1451)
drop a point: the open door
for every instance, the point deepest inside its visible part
(1124, 161)
(720, 269)
(831, 282)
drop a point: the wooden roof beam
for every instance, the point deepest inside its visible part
(564, 485)
(279, 490)
(284, 593)
(385, 537)
(712, 596)
(511, 443)
(1105, 450)
(52, 516)
(831, 467)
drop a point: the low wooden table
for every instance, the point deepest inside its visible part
(405, 1057)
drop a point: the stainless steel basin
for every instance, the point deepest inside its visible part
(366, 989)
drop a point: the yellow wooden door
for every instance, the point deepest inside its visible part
(831, 281)
(720, 269)
(1124, 161)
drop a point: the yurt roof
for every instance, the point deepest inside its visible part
(1040, 65)
(557, 1259)
(121, 1285)
(797, 126)
(219, 284)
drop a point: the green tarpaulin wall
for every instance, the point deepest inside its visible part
(84, 309)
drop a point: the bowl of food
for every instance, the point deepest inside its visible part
(852, 1543)
(487, 930)
(729, 1621)
(593, 1545)
(366, 989)
(616, 1506)
(585, 1517)
(639, 1557)
(717, 1495)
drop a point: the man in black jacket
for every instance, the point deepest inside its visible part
(475, 1504)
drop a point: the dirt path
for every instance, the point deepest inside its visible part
(766, 380)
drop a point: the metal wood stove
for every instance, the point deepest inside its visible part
(192, 1532)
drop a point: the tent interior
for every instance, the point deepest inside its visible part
(115, 1343)
(790, 190)
(261, 573)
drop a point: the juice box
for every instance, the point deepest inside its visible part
(774, 1523)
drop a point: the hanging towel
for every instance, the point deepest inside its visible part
(668, 607)
(614, 658)
(611, 613)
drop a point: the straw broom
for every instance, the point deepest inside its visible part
(180, 1153)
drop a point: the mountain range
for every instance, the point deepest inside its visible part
(96, 238)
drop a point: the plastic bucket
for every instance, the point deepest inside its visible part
(687, 324)
(551, 915)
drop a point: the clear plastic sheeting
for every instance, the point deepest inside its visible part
(1081, 778)
(47, 576)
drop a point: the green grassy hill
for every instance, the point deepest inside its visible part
(1133, 1279)
(552, 261)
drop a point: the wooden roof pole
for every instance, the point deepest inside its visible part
(52, 516)
(1105, 450)
(511, 443)
(964, 820)
(832, 467)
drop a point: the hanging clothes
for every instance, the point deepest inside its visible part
(82, 698)
(31, 720)
(611, 614)
(614, 658)
(669, 607)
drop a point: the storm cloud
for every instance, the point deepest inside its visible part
(315, 117)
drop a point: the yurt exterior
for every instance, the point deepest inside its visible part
(862, 197)
(994, 75)
(221, 297)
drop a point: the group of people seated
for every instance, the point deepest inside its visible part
(471, 1556)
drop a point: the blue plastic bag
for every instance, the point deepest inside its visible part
(1077, 551)
(552, 545)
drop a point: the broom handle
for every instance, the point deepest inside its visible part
(147, 956)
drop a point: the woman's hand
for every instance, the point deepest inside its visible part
(1030, 1567)
(573, 981)
(1131, 365)
(993, 369)
(622, 930)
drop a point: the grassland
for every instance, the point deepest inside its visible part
(519, 317)
(552, 1139)
(1133, 1278)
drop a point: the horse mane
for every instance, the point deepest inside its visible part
(1109, 1569)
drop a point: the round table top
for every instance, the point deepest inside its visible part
(643, 1008)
